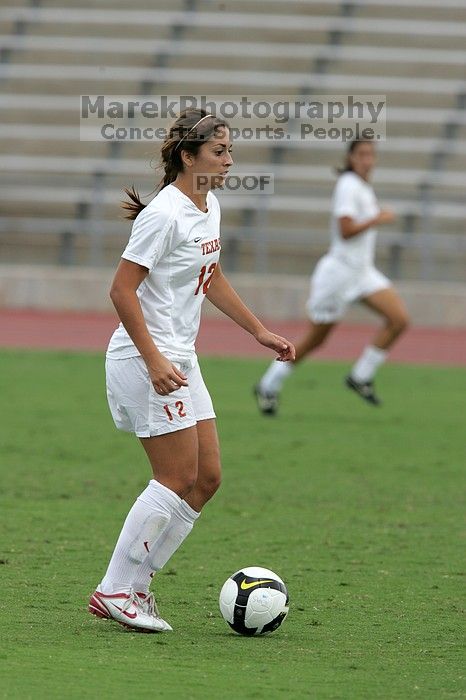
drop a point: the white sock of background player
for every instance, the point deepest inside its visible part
(368, 363)
(273, 379)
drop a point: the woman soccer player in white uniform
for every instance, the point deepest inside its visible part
(154, 385)
(346, 274)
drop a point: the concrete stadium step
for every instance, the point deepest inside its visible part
(334, 157)
(404, 9)
(432, 130)
(456, 162)
(70, 149)
(241, 61)
(314, 8)
(61, 208)
(405, 41)
(410, 11)
(48, 248)
(68, 58)
(7, 27)
(235, 78)
(17, 117)
(139, 6)
(235, 20)
(64, 86)
(291, 7)
(405, 70)
(142, 31)
(250, 33)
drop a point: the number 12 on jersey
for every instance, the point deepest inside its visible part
(203, 281)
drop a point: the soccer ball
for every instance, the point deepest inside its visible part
(254, 601)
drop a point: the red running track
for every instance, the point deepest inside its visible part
(91, 331)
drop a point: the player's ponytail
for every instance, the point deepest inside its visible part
(134, 206)
(192, 128)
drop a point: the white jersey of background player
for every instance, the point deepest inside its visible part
(155, 388)
(346, 274)
(355, 198)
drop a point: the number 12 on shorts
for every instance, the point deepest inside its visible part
(179, 405)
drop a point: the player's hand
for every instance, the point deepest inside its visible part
(285, 349)
(386, 216)
(165, 376)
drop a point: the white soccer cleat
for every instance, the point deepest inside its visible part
(149, 606)
(126, 609)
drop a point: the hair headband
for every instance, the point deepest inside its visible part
(192, 129)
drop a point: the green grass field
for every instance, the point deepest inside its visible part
(360, 510)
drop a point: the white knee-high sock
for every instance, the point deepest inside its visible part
(181, 524)
(368, 363)
(144, 524)
(273, 379)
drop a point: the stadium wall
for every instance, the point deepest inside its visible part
(277, 297)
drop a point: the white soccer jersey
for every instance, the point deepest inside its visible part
(180, 246)
(353, 197)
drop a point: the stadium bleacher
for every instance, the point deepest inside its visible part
(61, 194)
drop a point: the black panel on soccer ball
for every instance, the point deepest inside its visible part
(275, 624)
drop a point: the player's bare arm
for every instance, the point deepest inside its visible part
(350, 228)
(165, 376)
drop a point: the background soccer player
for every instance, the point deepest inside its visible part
(346, 274)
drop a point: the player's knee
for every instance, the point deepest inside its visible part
(183, 482)
(209, 485)
(215, 483)
(317, 341)
(400, 322)
(189, 482)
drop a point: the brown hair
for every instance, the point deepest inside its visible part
(347, 167)
(188, 133)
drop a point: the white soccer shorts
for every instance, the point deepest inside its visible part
(137, 408)
(335, 285)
